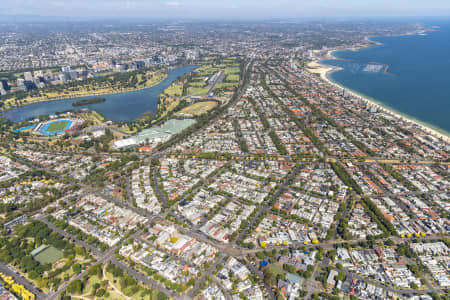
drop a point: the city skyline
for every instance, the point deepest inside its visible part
(232, 10)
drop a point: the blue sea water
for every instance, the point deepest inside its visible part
(126, 106)
(417, 82)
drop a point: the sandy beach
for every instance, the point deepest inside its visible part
(321, 70)
(324, 71)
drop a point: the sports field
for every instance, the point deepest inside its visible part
(232, 77)
(57, 126)
(198, 91)
(25, 129)
(48, 256)
(199, 108)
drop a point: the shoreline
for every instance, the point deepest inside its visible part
(74, 96)
(16, 109)
(324, 71)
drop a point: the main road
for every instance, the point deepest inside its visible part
(18, 278)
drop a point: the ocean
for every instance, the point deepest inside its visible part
(409, 74)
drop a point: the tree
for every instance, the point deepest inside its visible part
(75, 287)
(413, 285)
(332, 254)
(269, 277)
(289, 268)
(161, 296)
(95, 270)
(76, 268)
(33, 274)
(96, 286)
(100, 293)
(340, 276)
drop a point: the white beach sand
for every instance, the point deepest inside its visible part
(324, 71)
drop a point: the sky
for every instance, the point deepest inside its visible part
(226, 9)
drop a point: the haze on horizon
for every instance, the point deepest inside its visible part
(229, 9)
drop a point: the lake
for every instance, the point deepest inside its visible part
(126, 107)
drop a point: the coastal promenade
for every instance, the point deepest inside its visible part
(324, 72)
(417, 94)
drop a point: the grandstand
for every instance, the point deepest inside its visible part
(57, 127)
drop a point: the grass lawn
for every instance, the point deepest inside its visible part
(198, 78)
(155, 78)
(170, 104)
(277, 269)
(233, 77)
(226, 85)
(197, 84)
(48, 256)
(92, 116)
(198, 91)
(174, 90)
(232, 70)
(199, 108)
(113, 295)
(115, 290)
(205, 70)
(89, 288)
(57, 126)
